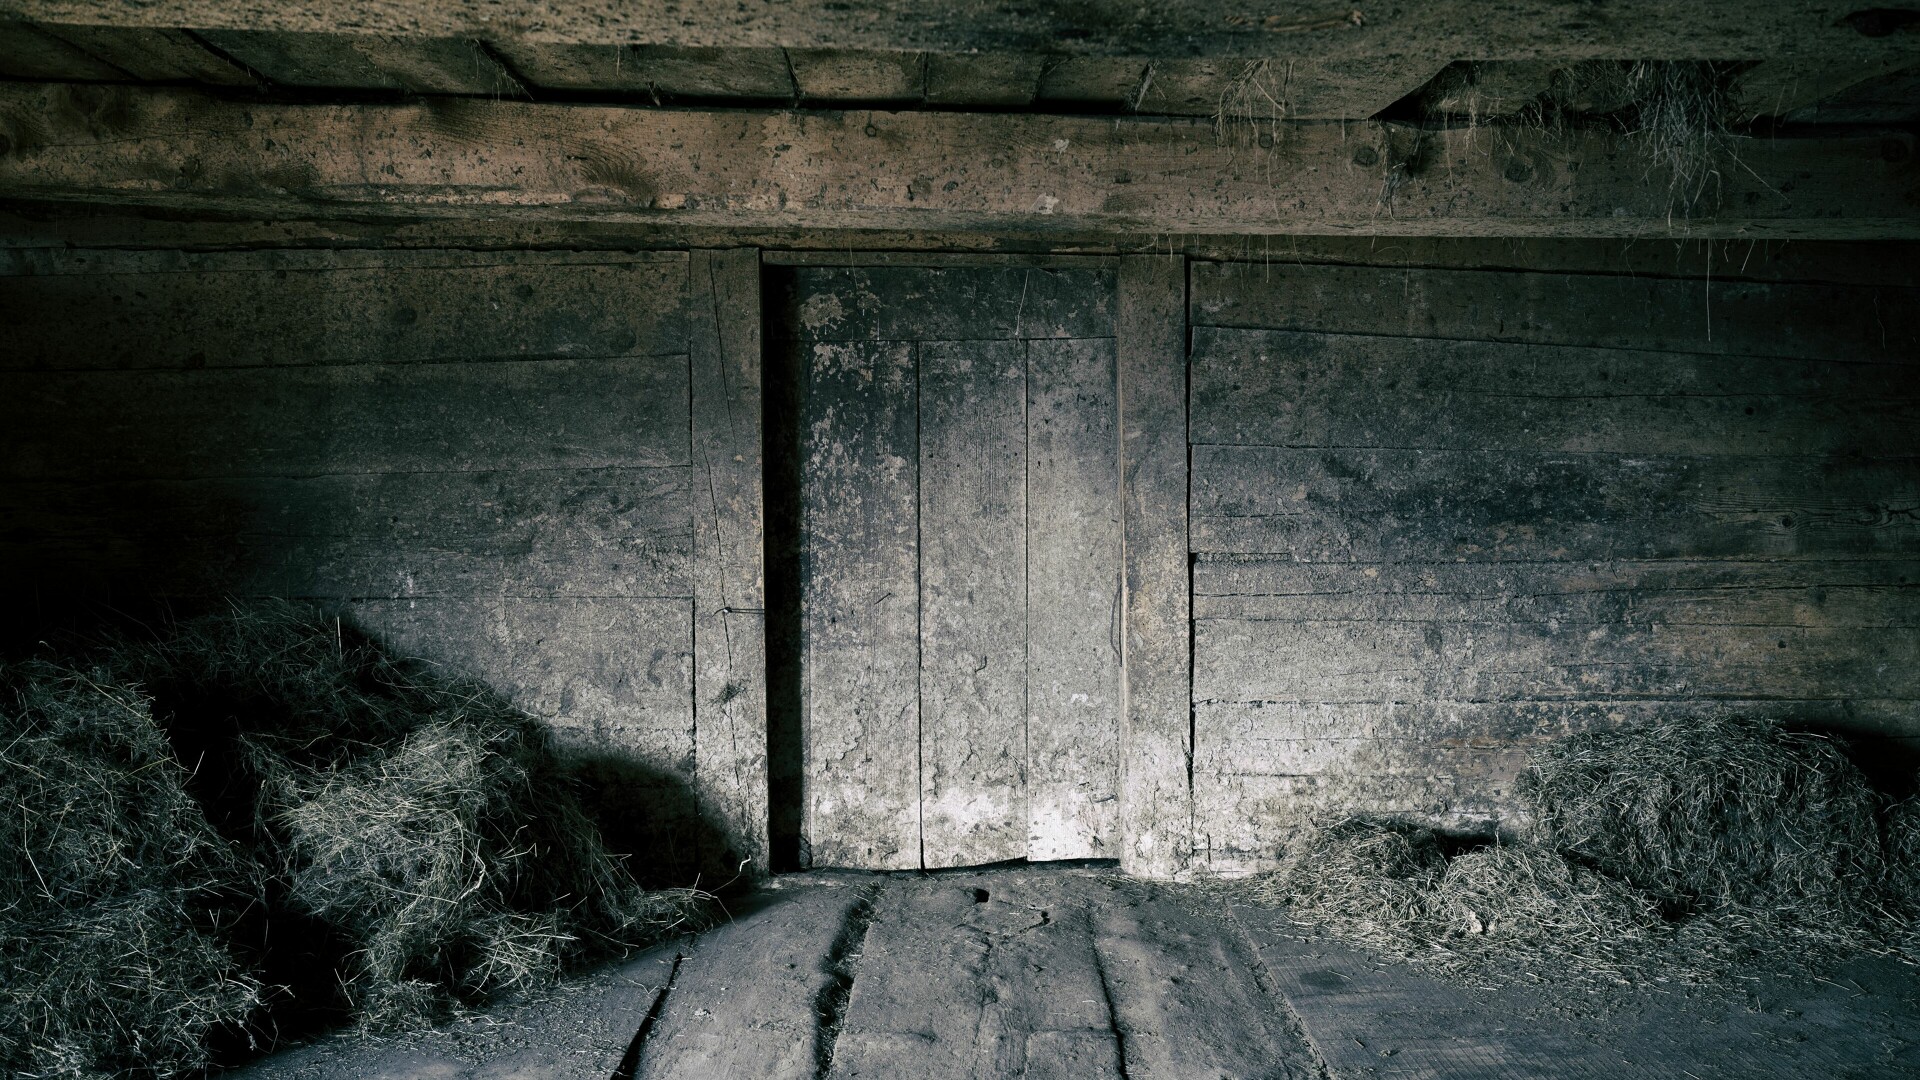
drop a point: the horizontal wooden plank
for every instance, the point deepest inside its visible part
(849, 76)
(1617, 593)
(1699, 315)
(252, 309)
(613, 676)
(448, 65)
(1308, 660)
(573, 533)
(154, 54)
(1235, 725)
(1007, 80)
(184, 151)
(1285, 388)
(666, 72)
(1526, 29)
(959, 303)
(629, 411)
(1247, 96)
(31, 52)
(1373, 505)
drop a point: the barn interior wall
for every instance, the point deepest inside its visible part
(485, 459)
(1438, 516)
(1432, 514)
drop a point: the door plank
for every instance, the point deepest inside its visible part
(729, 585)
(1073, 757)
(859, 601)
(973, 643)
(1157, 724)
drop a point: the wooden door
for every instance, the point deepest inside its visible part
(959, 562)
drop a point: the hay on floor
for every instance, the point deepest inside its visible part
(198, 802)
(1676, 852)
(116, 887)
(1712, 813)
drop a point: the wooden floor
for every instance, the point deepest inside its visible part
(1081, 973)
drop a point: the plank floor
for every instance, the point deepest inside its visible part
(1077, 972)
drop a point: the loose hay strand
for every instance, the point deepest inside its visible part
(182, 793)
(1678, 852)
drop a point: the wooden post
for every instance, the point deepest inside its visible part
(729, 584)
(1156, 793)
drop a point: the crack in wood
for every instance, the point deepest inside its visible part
(843, 961)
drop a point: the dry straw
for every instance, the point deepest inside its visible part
(1681, 851)
(191, 797)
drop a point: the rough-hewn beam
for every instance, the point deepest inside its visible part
(1324, 29)
(976, 172)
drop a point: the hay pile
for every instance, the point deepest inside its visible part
(111, 954)
(267, 818)
(1678, 851)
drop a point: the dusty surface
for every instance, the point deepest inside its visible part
(1076, 971)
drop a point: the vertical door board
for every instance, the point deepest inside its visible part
(1157, 720)
(730, 673)
(1073, 601)
(860, 605)
(973, 566)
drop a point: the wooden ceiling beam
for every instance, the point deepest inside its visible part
(1442, 30)
(1006, 174)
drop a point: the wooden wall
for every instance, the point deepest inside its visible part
(523, 466)
(1438, 516)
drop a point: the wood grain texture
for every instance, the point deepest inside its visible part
(980, 975)
(31, 52)
(745, 1000)
(1249, 96)
(175, 309)
(981, 302)
(1073, 613)
(1156, 728)
(1004, 80)
(851, 76)
(1533, 29)
(1702, 314)
(533, 533)
(729, 536)
(1281, 388)
(1187, 996)
(1008, 174)
(974, 509)
(1482, 505)
(610, 675)
(154, 54)
(652, 70)
(860, 605)
(449, 65)
(346, 419)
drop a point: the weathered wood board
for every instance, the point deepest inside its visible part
(176, 309)
(1073, 601)
(488, 458)
(979, 975)
(1533, 29)
(860, 605)
(974, 646)
(1006, 174)
(1156, 653)
(1545, 504)
(729, 575)
(745, 1000)
(1710, 311)
(960, 575)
